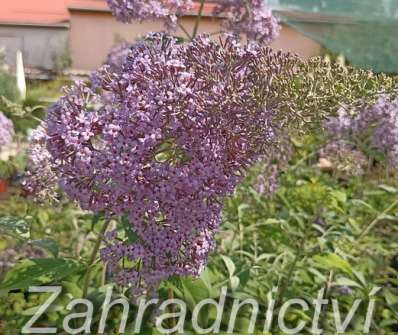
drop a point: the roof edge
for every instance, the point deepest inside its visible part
(299, 16)
(88, 9)
(61, 25)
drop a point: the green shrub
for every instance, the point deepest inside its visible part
(8, 86)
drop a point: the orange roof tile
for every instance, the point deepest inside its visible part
(34, 11)
(49, 12)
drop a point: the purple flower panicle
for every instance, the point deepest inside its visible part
(251, 18)
(6, 130)
(128, 11)
(40, 180)
(379, 122)
(161, 143)
(117, 56)
(343, 158)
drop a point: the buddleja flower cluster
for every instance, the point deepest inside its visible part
(117, 56)
(343, 158)
(6, 130)
(40, 180)
(249, 17)
(166, 139)
(378, 122)
(267, 181)
(128, 11)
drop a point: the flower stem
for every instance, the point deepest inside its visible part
(184, 31)
(198, 18)
(170, 296)
(93, 258)
(286, 281)
(377, 220)
(328, 287)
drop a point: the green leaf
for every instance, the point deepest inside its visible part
(388, 188)
(244, 277)
(38, 272)
(14, 226)
(132, 237)
(43, 216)
(390, 297)
(339, 196)
(229, 264)
(347, 282)
(360, 276)
(234, 281)
(364, 204)
(194, 291)
(95, 219)
(333, 261)
(394, 307)
(72, 288)
(241, 211)
(47, 244)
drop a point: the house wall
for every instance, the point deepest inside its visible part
(295, 42)
(40, 45)
(92, 34)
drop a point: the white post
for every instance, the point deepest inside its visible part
(21, 82)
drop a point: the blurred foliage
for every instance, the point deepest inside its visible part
(27, 114)
(8, 86)
(44, 90)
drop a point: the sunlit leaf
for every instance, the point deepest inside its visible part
(333, 261)
(36, 272)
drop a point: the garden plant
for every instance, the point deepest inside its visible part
(205, 167)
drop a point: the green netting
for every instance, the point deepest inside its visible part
(364, 31)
